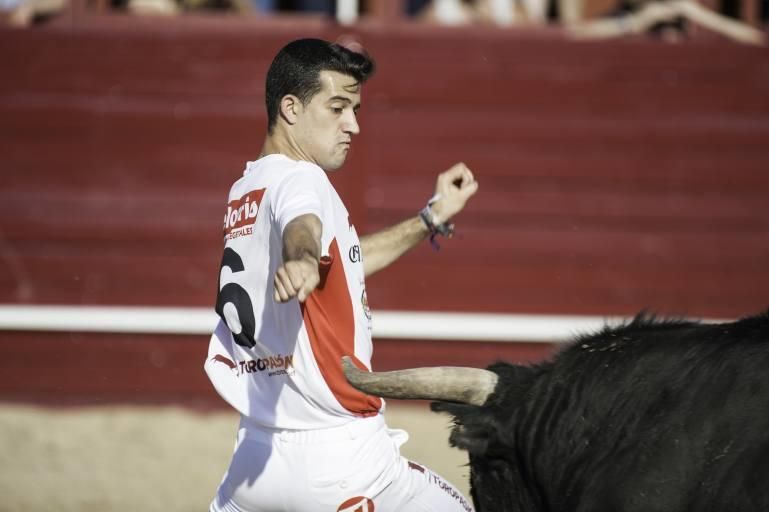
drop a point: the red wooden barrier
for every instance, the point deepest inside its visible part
(614, 176)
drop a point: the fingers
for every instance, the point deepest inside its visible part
(295, 279)
(458, 175)
(454, 187)
(284, 288)
(467, 190)
(458, 178)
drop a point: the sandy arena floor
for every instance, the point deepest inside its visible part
(147, 459)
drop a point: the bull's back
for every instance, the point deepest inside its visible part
(670, 417)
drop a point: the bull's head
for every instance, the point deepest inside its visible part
(468, 394)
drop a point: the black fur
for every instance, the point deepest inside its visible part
(653, 416)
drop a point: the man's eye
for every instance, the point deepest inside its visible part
(337, 110)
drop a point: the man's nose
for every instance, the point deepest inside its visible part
(351, 124)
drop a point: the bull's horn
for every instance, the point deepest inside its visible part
(447, 383)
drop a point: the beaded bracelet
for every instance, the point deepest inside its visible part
(428, 217)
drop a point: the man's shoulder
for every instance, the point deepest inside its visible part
(281, 171)
(303, 174)
(280, 167)
(306, 168)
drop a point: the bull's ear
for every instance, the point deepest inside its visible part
(473, 426)
(476, 428)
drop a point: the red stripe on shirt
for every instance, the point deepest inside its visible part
(330, 324)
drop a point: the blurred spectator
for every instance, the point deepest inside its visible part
(464, 12)
(317, 6)
(264, 5)
(172, 7)
(153, 7)
(22, 13)
(307, 6)
(668, 19)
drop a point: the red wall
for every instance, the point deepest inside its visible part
(87, 368)
(614, 176)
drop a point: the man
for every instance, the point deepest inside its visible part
(292, 302)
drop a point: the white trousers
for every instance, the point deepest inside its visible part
(353, 468)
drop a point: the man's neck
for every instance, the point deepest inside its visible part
(280, 144)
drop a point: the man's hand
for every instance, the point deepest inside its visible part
(299, 275)
(296, 279)
(454, 187)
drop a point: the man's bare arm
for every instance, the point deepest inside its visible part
(298, 275)
(385, 246)
(453, 188)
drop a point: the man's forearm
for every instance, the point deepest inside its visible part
(298, 275)
(301, 238)
(453, 188)
(383, 247)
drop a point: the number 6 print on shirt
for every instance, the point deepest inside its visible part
(241, 321)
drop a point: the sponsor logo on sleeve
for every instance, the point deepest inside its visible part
(241, 214)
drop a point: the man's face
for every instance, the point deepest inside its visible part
(325, 125)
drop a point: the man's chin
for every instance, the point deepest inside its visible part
(334, 165)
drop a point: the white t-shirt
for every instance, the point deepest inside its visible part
(280, 363)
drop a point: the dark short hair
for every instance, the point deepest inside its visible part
(297, 66)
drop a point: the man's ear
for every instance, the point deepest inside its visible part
(289, 108)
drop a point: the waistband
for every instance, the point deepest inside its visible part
(359, 427)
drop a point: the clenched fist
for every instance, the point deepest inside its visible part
(454, 187)
(296, 278)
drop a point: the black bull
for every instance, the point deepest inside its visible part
(652, 416)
